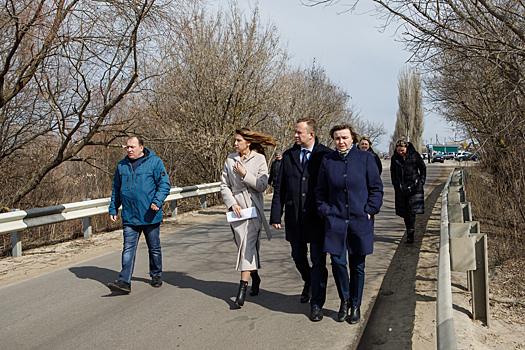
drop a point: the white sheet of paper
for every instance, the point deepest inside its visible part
(247, 213)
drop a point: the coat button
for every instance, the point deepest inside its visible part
(346, 221)
(304, 178)
(304, 210)
(344, 190)
(346, 205)
(304, 194)
(344, 175)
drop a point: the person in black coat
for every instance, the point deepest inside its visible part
(408, 173)
(294, 192)
(366, 145)
(349, 194)
(274, 168)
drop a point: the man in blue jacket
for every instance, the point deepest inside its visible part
(140, 185)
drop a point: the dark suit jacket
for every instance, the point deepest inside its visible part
(347, 191)
(294, 191)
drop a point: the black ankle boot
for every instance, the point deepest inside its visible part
(410, 236)
(241, 295)
(256, 281)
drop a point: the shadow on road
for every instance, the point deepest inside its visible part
(225, 291)
(391, 322)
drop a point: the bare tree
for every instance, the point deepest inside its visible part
(223, 72)
(66, 66)
(409, 122)
(310, 93)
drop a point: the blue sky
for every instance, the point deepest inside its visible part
(355, 54)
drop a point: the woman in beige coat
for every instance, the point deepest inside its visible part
(244, 178)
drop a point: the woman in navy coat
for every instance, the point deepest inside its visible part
(349, 193)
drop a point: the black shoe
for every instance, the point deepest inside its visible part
(305, 294)
(256, 281)
(410, 236)
(316, 314)
(355, 315)
(241, 294)
(343, 310)
(156, 281)
(120, 287)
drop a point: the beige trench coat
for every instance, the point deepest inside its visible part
(247, 192)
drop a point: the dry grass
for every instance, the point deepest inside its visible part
(505, 243)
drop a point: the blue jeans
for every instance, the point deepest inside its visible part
(315, 276)
(349, 287)
(131, 239)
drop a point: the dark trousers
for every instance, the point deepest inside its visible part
(316, 275)
(410, 221)
(349, 287)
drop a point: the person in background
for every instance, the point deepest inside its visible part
(294, 192)
(408, 173)
(349, 193)
(243, 180)
(274, 168)
(366, 145)
(140, 185)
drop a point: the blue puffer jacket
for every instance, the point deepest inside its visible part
(137, 190)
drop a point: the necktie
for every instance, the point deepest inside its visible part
(305, 158)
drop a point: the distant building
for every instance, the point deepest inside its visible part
(446, 148)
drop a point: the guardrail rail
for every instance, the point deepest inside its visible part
(462, 248)
(19, 220)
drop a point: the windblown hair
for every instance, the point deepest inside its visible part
(335, 128)
(256, 140)
(311, 124)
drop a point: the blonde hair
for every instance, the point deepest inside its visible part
(401, 143)
(366, 139)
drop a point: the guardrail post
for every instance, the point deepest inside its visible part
(480, 281)
(86, 223)
(16, 241)
(174, 210)
(203, 201)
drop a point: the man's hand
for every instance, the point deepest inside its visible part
(113, 218)
(154, 207)
(277, 226)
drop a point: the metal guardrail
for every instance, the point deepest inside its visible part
(462, 248)
(446, 335)
(19, 220)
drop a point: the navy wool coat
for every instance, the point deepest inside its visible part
(347, 191)
(294, 192)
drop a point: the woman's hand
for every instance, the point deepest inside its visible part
(236, 208)
(238, 168)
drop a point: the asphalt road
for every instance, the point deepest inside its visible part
(72, 308)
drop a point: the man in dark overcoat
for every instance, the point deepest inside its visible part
(294, 192)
